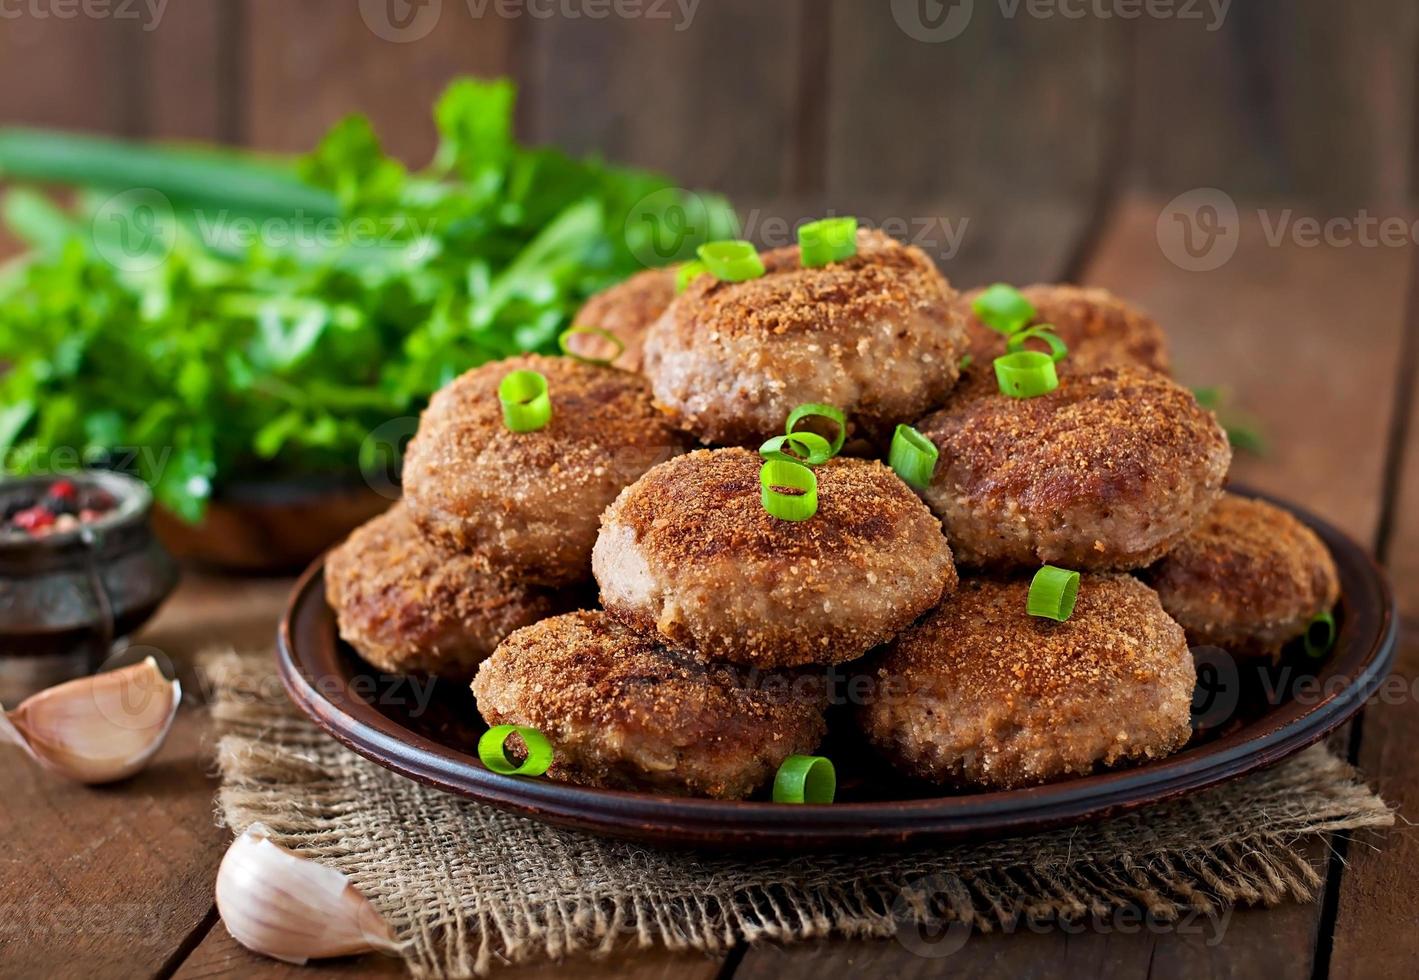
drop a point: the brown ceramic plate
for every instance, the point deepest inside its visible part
(1246, 717)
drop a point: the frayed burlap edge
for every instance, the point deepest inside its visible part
(467, 886)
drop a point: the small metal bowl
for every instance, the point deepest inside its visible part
(67, 597)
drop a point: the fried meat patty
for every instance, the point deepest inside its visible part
(876, 335)
(1249, 579)
(530, 501)
(1100, 329)
(412, 606)
(626, 311)
(689, 551)
(1108, 471)
(981, 694)
(623, 711)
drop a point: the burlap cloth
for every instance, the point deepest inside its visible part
(468, 887)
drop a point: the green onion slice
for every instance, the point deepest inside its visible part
(807, 448)
(564, 342)
(1320, 635)
(778, 475)
(805, 779)
(539, 751)
(828, 412)
(967, 361)
(913, 456)
(688, 273)
(1045, 332)
(1002, 307)
(1053, 592)
(826, 241)
(1025, 374)
(526, 404)
(732, 260)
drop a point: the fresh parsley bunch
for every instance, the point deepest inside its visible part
(202, 317)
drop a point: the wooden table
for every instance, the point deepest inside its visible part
(1318, 342)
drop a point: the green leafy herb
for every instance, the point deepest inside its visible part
(203, 317)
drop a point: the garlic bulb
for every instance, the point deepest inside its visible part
(97, 729)
(279, 904)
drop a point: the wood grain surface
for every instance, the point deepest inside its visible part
(1023, 133)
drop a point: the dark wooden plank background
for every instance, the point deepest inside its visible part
(1052, 144)
(1307, 99)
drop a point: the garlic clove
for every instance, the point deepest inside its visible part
(279, 904)
(97, 729)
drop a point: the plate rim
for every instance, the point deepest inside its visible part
(738, 824)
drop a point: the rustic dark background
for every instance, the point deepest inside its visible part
(1058, 137)
(768, 99)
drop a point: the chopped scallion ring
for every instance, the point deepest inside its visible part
(913, 457)
(491, 749)
(826, 241)
(778, 476)
(1320, 635)
(732, 260)
(526, 404)
(828, 412)
(1025, 374)
(1002, 307)
(805, 779)
(1045, 332)
(967, 361)
(1053, 592)
(807, 448)
(564, 342)
(688, 273)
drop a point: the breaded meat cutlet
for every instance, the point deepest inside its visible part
(1249, 579)
(1108, 471)
(984, 695)
(626, 311)
(411, 606)
(530, 501)
(876, 335)
(622, 711)
(1100, 329)
(689, 551)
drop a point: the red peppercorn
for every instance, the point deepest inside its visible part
(33, 519)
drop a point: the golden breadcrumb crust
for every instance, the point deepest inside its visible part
(689, 550)
(990, 696)
(623, 711)
(409, 605)
(626, 311)
(1249, 579)
(1108, 471)
(530, 501)
(876, 335)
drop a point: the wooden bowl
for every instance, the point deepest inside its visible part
(271, 528)
(1269, 713)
